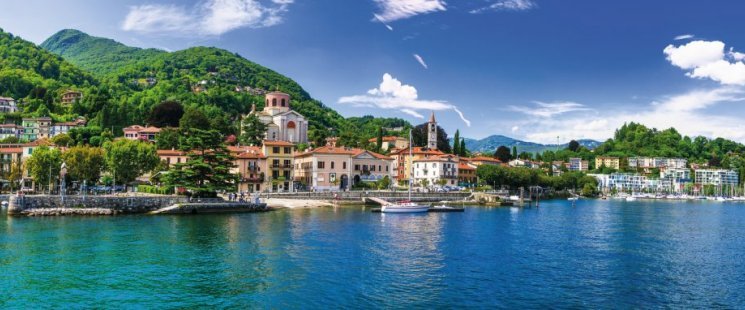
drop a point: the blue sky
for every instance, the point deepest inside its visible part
(530, 69)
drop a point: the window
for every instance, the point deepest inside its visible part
(275, 174)
(274, 102)
(332, 165)
(344, 165)
(283, 102)
(372, 167)
(380, 168)
(288, 150)
(275, 150)
(287, 175)
(275, 163)
(288, 164)
(321, 165)
(386, 168)
(356, 167)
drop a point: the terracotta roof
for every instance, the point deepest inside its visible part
(133, 127)
(444, 157)
(150, 130)
(277, 143)
(464, 166)
(246, 152)
(9, 126)
(484, 158)
(171, 153)
(385, 139)
(332, 150)
(419, 151)
(376, 155)
(11, 150)
(40, 142)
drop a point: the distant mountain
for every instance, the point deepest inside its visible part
(491, 143)
(101, 56)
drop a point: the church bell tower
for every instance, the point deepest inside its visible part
(432, 133)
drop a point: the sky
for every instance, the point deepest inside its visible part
(537, 70)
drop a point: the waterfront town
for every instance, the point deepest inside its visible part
(285, 161)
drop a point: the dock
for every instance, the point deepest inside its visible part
(431, 209)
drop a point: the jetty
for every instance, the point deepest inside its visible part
(212, 207)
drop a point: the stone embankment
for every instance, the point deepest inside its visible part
(69, 211)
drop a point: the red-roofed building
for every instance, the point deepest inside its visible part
(339, 168)
(436, 170)
(250, 164)
(137, 132)
(402, 161)
(391, 142)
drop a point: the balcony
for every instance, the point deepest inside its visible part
(281, 166)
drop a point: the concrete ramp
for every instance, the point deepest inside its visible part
(379, 201)
(166, 209)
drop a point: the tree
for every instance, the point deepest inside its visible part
(462, 149)
(573, 146)
(456, 143)
(194, 119)
(208, 168)
(379, 141)
(168, 139)
(128, 159)
(384, 183)
(503, 154)
(252, 130)
(84, 163)
(166, 114)
(514, 152)
(44, 163)
(62, 140)
(419, 137)
(16, 173)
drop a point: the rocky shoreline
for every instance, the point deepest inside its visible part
(70, 211)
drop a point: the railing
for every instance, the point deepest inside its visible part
(359, 195)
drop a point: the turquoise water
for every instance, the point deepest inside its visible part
(598, 254)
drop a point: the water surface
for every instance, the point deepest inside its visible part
(606, 254)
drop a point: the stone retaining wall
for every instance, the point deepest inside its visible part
(361, 195)
(141, 204)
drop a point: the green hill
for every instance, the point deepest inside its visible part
(27, 71)
(100, 56)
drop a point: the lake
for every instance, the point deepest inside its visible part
(597, 254)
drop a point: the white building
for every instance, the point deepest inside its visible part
(657, 162)
(716, 177)
(283, 123)
(577, 164)
(8, 105)
(436, 168)
(677, 177)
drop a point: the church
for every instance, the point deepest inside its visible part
(283, 124)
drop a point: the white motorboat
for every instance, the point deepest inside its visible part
(573, 198)
(630, 198)
(405, 206)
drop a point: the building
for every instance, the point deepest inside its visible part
(391, 142)
(577, 164)
(622, 182)
(716, 177)
(64, 128)
(467, 174)
(250, 166)
(71, 96)
(10, 130)
(283, 124)
(10, 154)
(522, 163)
(279, 165)
(172, 157)
(36, 128)
(608, 162)
(436, 170)
(432, 132)
(137, 132)
(8, 105)
(657, 162)
(678, 178)
(339, 168)
(483, 160)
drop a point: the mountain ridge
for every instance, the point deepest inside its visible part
(491, 143)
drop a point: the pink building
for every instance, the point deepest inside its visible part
(137, 132)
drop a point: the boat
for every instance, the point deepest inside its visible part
(630, 198)
(406, 206)
(573, 198)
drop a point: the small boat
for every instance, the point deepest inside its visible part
(630, 198)
(443, 207)
(573, 198)
(404, 207)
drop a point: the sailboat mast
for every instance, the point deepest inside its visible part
(411, 164)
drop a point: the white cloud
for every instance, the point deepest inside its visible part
(210, 17)
(685, 112)
(549, 109)
(515, 129)
(392, 10)
(507, 5)
(391, 94)
(683, 37)
(421, 61)
(708, 60)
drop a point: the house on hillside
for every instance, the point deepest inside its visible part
(8, 105)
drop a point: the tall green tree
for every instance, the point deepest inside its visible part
(379, 140)
(207, 170)
(84, 163)
(503, 154)
(514, 152)
(45, 162)
(252, 130)
(456, 143)
(166, 114)
(128, 159)
(194, 119)
(462, 149)
(573, 146)
(168, 138)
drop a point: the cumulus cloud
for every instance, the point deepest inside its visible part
(209, 17)
(549, 109)
(393, 10)
(708, 60)
(683, 37)
(507, 5)
(420, 60)
(391, 94)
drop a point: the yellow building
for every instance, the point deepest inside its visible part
(608, 162)
(279, 162)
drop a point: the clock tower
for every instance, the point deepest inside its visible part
(432, 133)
